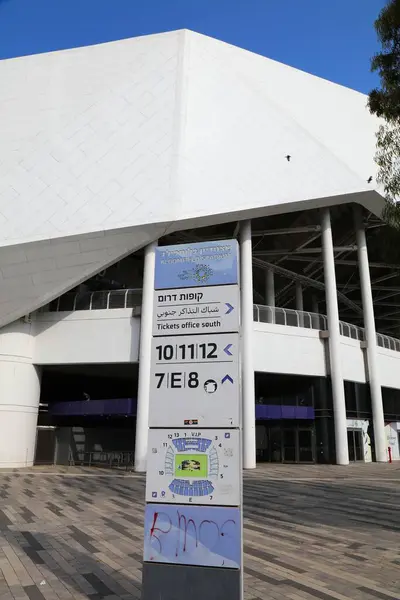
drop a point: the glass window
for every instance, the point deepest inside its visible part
(363, 400)
(350, 397)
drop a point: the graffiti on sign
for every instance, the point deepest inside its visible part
(192, 535)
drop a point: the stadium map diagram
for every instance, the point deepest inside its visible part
(193, 466)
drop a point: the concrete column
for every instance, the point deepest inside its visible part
(299, 302)
(323, 448)
(370, 331)
(270, 294)
(314, 305)
(248, 388)
(299, 296)
(315, 310)
(339, 404)
(19, 396)
(143, 396)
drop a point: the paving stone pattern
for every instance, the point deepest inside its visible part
(310, 532)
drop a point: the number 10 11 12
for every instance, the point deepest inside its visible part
(187, 352)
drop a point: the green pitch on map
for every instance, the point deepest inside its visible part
(191, 465)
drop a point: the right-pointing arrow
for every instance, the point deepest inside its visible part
(230, 308)
(227, 378)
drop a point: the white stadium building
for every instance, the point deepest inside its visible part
(107, 151)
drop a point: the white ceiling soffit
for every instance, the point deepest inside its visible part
(104, 148)
(33, 274)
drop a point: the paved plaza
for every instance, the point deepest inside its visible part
(310, 532)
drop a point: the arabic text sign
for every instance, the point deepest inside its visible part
(195, 381)
(199, 466)
(196, 265)
(198, 310)
(193, 535)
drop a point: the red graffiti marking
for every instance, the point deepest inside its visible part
(186, 527)
(220, 529)
(154, 523)
(154, 528)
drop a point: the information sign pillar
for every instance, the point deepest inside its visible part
(193, 518)
(146, 320)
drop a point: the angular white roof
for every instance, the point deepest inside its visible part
(107, 147)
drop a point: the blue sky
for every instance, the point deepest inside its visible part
(330, 38)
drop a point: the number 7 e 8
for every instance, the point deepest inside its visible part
(176, 380)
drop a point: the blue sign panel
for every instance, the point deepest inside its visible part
(196, 265)
(193, 535)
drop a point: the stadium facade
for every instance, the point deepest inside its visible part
(107, 151)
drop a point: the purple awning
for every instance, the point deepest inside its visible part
(116, 406)
(272, 411)
(127, 406)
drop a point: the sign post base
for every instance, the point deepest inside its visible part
(180, 582)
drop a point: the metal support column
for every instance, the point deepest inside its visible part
(370, 331)
(299, 303)
(315, 310)
(248, 388)
(339, 404)
(270, 294)
(143, 396)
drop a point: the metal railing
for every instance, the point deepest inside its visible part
(385, 341)
(289, 317)
(131, 298)
(309, 320)
(100, 300)
(351, 331)
(110, 459)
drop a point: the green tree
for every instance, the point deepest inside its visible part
(385, 103)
